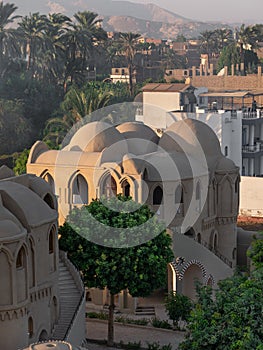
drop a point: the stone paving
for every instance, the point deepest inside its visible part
(97, 330)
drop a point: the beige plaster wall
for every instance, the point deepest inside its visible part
(251, 196)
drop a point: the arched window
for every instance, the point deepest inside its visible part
(157, 196)
(126, 188)
(80, 190)
(179, 199)
(49, 200)
(51, 240)
(215, 241)
(30, 327)
(109, 187)
(49, 179)
(199, 239)
(21, 259)
(226, 151)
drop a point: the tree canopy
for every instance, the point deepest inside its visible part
(140, 268)
(233, 319)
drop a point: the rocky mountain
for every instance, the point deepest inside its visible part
(147, 19)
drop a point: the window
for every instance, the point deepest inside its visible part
(51, 240)
(236, 185)
(126, 188)
(109, 187)
(179, 199)
(157, 196)
(30, 327)
(20, 260)
(80, 190)
(226, 151)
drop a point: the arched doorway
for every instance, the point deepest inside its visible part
(191, 276)
(109, 187)
(157, 196)
(126, 188)
(80, 190)
(43, 335)
(49, 179)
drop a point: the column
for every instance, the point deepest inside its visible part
(251, 135)
(251, 167)
(261, 166)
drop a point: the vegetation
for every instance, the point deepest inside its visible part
(138, 268)
(233, 319)
(178, 307)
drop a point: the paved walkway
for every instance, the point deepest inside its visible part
(97, 330)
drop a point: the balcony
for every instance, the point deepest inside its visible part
(247, 114)
(258, 147)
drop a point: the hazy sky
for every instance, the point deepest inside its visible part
(223, 10)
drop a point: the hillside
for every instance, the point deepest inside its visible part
(148, 19)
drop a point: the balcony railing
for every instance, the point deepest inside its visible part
(247, 114)
(253, 148)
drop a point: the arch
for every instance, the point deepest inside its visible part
(157, 195)
(226, 196)
(126, 188)
(190, 232)
(49, 179)
(171, 277)
(80, 190)
(43, 336)
(192, 274)
(179, 199)
(49, 200)
(54, 311)
(21, 274)
(108, 186)
(30, 327)
(52, 248)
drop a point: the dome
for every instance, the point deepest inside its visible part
(95, 137)
(9, 229)
(225, 164)
(189, 135)
(140, 138)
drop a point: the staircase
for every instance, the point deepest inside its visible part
(145, 311)
(69, 301)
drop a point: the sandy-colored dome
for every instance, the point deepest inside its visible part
(95, 137)
(140, 137)
(190, 135)
(225, 164)
(8, 229)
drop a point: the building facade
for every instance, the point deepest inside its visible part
(181, 175)
(31, 301)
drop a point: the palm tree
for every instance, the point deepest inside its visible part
(223, 38)
(81, 39)
(128, 44)
(54, 58)
(31, 30)
(7, 35)
(77, 104)
(247, 39)
(207, 42)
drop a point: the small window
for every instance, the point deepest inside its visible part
(30, 327)
(51, 240)
(116, 70)
(226, 151)
(20, 260)
(157, 196)
(179, 195)
(122, 72)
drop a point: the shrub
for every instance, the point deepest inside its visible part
(156, 322)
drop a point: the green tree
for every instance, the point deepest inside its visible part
(233, 319)
(128, 43)
(140, 268)
(20, 162)
(178, 307)
(7, 35)
(256, 251)
(31, 31)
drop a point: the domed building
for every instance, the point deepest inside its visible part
(181, 175)
(31, 302)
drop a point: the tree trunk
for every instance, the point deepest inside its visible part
(111, 321)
